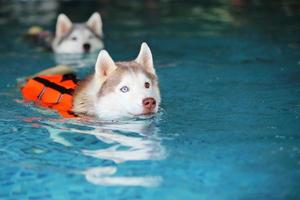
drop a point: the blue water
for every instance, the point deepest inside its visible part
(229, 126)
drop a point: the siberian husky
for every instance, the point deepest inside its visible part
(78, 37)
(119, 89)
(115, 90)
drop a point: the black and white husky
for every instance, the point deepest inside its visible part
(78, 37)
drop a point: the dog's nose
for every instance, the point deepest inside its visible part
(86, 47)
(149, 104)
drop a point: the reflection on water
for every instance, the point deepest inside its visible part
(142, 143)
(76, 60)
(102, 176)
(228, 95)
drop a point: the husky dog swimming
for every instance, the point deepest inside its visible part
(119, 88)
(123, 89)
(78, 37)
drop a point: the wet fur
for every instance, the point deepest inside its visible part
(85, 95)
(101, 94)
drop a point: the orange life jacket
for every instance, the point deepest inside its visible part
(53, 91)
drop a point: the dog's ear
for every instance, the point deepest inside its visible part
(104, 65)
(63, 25)
(95, 23)
(145, 58)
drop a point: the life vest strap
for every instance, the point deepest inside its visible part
(42, 93)
(70, 76)
(54, 86)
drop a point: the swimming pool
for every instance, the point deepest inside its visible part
(229, 124)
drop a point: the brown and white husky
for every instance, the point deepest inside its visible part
(119, 89)
(115, 90)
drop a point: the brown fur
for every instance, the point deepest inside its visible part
(81, 102)
(122, 67)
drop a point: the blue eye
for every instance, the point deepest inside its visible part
(124, 89)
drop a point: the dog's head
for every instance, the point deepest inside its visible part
(78, 37)
(128, 89)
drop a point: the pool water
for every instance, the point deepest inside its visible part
(229, 124)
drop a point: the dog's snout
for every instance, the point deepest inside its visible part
(149, 104)
(86, 47)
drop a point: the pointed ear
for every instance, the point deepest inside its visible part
(95, 23)
(145, 58)
(104, 65)
(63, 25)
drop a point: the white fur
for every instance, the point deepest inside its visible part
(118, 104)
(104, 65)
(63, 25)
(95, 23)
(145, 58)
(83, 35)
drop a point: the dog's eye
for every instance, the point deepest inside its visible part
(74, 38)
(124, 89)
(147, 85)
